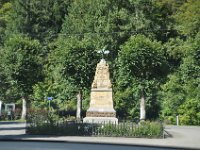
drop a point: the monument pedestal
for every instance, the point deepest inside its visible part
(101, 100)
(112, 120)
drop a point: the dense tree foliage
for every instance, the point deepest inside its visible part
(5, 18)
(39, 19)
(21, 64)
(142, 65)
(49, 48)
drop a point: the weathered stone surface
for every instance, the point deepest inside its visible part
(100, 114)
(102, 76)
(112, 120)
(101, 97)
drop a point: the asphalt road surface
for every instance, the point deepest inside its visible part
(180, 137)
(12, 128)
(69, 146)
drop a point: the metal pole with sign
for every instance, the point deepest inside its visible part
(49, 99)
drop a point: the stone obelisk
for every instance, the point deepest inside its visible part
(101, 98)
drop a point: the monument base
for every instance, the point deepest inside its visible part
(101, 113)
(112, 120)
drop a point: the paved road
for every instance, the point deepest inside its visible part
(10, 129)
(182, 137)
(69, 146)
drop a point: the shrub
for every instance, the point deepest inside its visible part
(125, 129)
(37, 117)
(4, 115)
(17, 114)
(184, 120)
(170, 120)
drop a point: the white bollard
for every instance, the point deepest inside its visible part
(177, 120)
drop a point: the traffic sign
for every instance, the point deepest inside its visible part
(50, 98)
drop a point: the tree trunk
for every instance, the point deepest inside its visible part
(0, 107)
(142, 107)
(79, 105)
(24, 100)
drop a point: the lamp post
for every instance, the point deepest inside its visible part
(103, 52)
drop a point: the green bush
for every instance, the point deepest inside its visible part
(184, 120)
(170, 120)
(4, 115)
(125, 129)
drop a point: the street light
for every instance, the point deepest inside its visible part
(103, 52)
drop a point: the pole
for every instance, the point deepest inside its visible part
(142, 107)
(0, 107)
(49, 99)
(49, 106)
(79, 105)
(177, 120)
(24, 103)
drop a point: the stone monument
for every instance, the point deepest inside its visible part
(101, 98)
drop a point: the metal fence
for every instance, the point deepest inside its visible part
(74, 128)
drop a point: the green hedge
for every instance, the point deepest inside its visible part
(42, 122)
(125, 129)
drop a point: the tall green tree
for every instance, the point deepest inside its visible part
(22, 66)
(5, 18)
(187, 18)
(180, 92)
(142, 65)
(41, 20)
(37, 20)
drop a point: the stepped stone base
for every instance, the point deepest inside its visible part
(112, 120)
